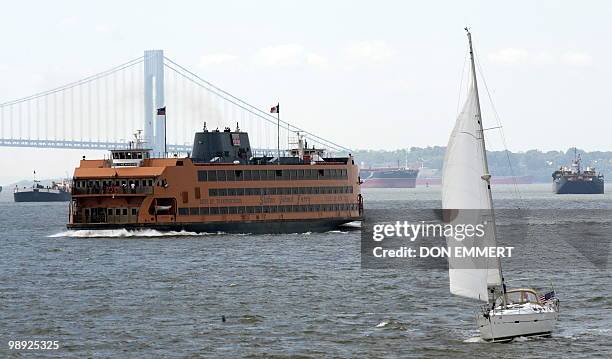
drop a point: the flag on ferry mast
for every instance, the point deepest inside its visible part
(161, 111)
(275, 109)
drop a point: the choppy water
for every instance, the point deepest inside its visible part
(301, 295)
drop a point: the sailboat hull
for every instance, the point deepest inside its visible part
(521, 321)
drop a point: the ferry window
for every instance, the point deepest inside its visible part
(232, 210)
(322, 173)
(202, 176)
(255, 175)
(117, 211)
(344, 174)
(239, 191)
(204, 211)
(185, 196)
(212, 192)
(271, 175)
(183, 211)
(272, 191)
(222, 192)
(110, 211)
(179, 163)
(263, 175)
(194, 211)
(257, 209)
(257, 191)
(197, 192)
(231, 191)
(311, 174)
(285, 174)
(221, 175)
(250, 209)
(230, 175)
(247, 175)
(223, 210)
(212, 176)
(300, 174)
(266, 209)
(279, 173)
(293, 174)
(238, 175)
(214, 210)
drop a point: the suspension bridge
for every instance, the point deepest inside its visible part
(104, 110)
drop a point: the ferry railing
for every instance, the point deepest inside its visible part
(113, 190)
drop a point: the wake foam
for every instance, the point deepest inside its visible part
(475, 340)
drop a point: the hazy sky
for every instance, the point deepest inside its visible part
(367, 74)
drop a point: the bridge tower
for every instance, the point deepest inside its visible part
(154, 127)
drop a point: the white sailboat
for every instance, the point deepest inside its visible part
(466, 196)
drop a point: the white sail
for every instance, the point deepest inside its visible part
(465, 188)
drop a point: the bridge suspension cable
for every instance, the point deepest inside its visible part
(246, 106)
(103, 110)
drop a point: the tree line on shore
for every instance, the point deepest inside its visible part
(535, 163)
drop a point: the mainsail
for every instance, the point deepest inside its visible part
(466, 196)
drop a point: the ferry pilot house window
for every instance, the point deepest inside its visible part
(185, 196)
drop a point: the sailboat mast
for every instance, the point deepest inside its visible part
(486, 176)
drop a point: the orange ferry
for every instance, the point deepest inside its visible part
(221, 187)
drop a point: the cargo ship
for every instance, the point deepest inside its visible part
(400, 177)
(574, 180)
(56, 192)
(220, 187)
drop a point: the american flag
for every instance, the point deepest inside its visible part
(547, 296)
(275, 109)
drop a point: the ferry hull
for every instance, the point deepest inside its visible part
(33, 196)
(254, 227)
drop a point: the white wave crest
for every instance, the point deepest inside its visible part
(383, 324)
